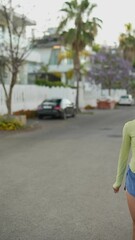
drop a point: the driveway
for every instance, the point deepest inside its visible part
(56, 181)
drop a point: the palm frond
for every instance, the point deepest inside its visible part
(74, 4)
(84, 5)
(71, 5)
(84, 31)
(84, 53)
(128, 28)
(62, 25)
(69, 36)
(65, 10)
(91, 7)
(65, 55)
(68, 4)
(97, 20)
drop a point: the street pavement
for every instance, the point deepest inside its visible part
(56, 181)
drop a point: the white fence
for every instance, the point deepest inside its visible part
(28, 97)
(115, 93)
(90, 93)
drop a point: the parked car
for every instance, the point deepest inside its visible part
(126, 100)
(56, 107)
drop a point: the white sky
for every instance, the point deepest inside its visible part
(113, 13)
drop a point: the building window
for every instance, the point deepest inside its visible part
(54, 56)
(2, 29)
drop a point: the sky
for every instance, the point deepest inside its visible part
(114, 14)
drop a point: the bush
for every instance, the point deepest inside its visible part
(42, 82)
(88, 107)
(27, 113)
(9, 123)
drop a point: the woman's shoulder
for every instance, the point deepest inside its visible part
(130, 124)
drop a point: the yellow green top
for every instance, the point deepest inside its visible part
(128, 142)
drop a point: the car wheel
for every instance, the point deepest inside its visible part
(64, 115)
(40, 116)
(73, 114)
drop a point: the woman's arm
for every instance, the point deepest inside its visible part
(123, 157)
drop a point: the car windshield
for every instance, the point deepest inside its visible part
(126, 96)
(52, 102)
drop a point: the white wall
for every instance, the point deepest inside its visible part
(45, 54)
(30, 96)
(115, 93)
(90, 93)
(34, 56)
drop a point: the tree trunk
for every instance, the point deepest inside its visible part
(78, 77)
(109, 91)
(109, 86)
(9, 96)
(9, 103)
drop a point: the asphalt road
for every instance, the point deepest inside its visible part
(56, 181)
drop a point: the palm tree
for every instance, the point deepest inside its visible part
(81, 34)
(127, 42)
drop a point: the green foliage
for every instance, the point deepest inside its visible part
(89, 107)
(96, 47)
(9, 124)
(42, 82)
(133, 64)
(44, 68)
(127, 42)
(85, 26)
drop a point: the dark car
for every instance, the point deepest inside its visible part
(56, 107)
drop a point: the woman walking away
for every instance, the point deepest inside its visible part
(128, 142)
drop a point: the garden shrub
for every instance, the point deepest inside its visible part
(89, 107)
(42, 82)
(9, 123)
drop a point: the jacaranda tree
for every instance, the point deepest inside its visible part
(110, 69)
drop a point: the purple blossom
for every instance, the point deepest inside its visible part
(110, 69)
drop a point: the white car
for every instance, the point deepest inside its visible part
(126, 100)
